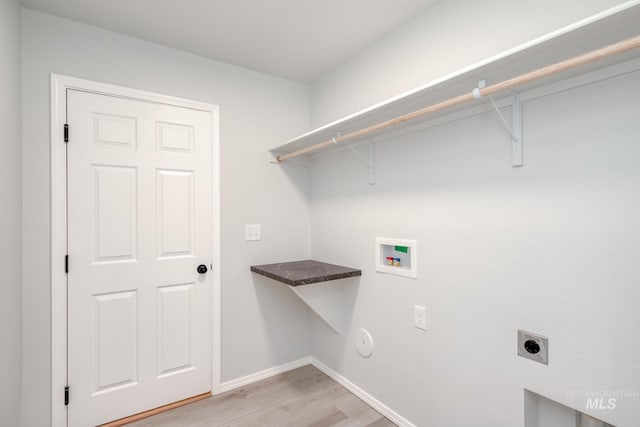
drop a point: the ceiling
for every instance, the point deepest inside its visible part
(300, 40)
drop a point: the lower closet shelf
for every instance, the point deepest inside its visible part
(306, 272)
(325, 299)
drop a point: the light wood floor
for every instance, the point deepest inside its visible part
(304, 397)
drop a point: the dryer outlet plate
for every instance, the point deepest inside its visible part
(533, 346)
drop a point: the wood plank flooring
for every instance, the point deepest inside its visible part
(304, 397)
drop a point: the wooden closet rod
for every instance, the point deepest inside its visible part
(577, 61)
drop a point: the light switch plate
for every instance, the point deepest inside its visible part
(533, 346)
(252, 232)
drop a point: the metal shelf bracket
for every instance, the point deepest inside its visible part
(515, 130)
(369, 163)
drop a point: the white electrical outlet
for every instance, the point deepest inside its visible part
(252, 232)
(420, 317)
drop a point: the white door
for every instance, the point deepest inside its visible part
(139, 225)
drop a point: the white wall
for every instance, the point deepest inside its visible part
(10, 212)
(263, 323)
(451, 35)
(551, 247)
(495, 243)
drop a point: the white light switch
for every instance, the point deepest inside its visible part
(420, 317)
(252, 232)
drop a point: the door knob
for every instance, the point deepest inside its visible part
(202, 269)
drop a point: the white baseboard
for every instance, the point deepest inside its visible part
(257, 376)
(366, 397)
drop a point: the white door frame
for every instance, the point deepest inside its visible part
(59, 86)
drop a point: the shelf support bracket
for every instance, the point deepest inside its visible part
(515, 130)
(369, 163)
(325, 299)
(372, 164)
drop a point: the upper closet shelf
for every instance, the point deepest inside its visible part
(571, 51)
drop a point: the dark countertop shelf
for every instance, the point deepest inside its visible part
(304, 272)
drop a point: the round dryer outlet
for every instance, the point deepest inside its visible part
(364, 342)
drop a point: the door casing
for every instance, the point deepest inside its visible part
(59, 86)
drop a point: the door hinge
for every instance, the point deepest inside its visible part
(66, 263)
(66, 395)
(66, 132)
